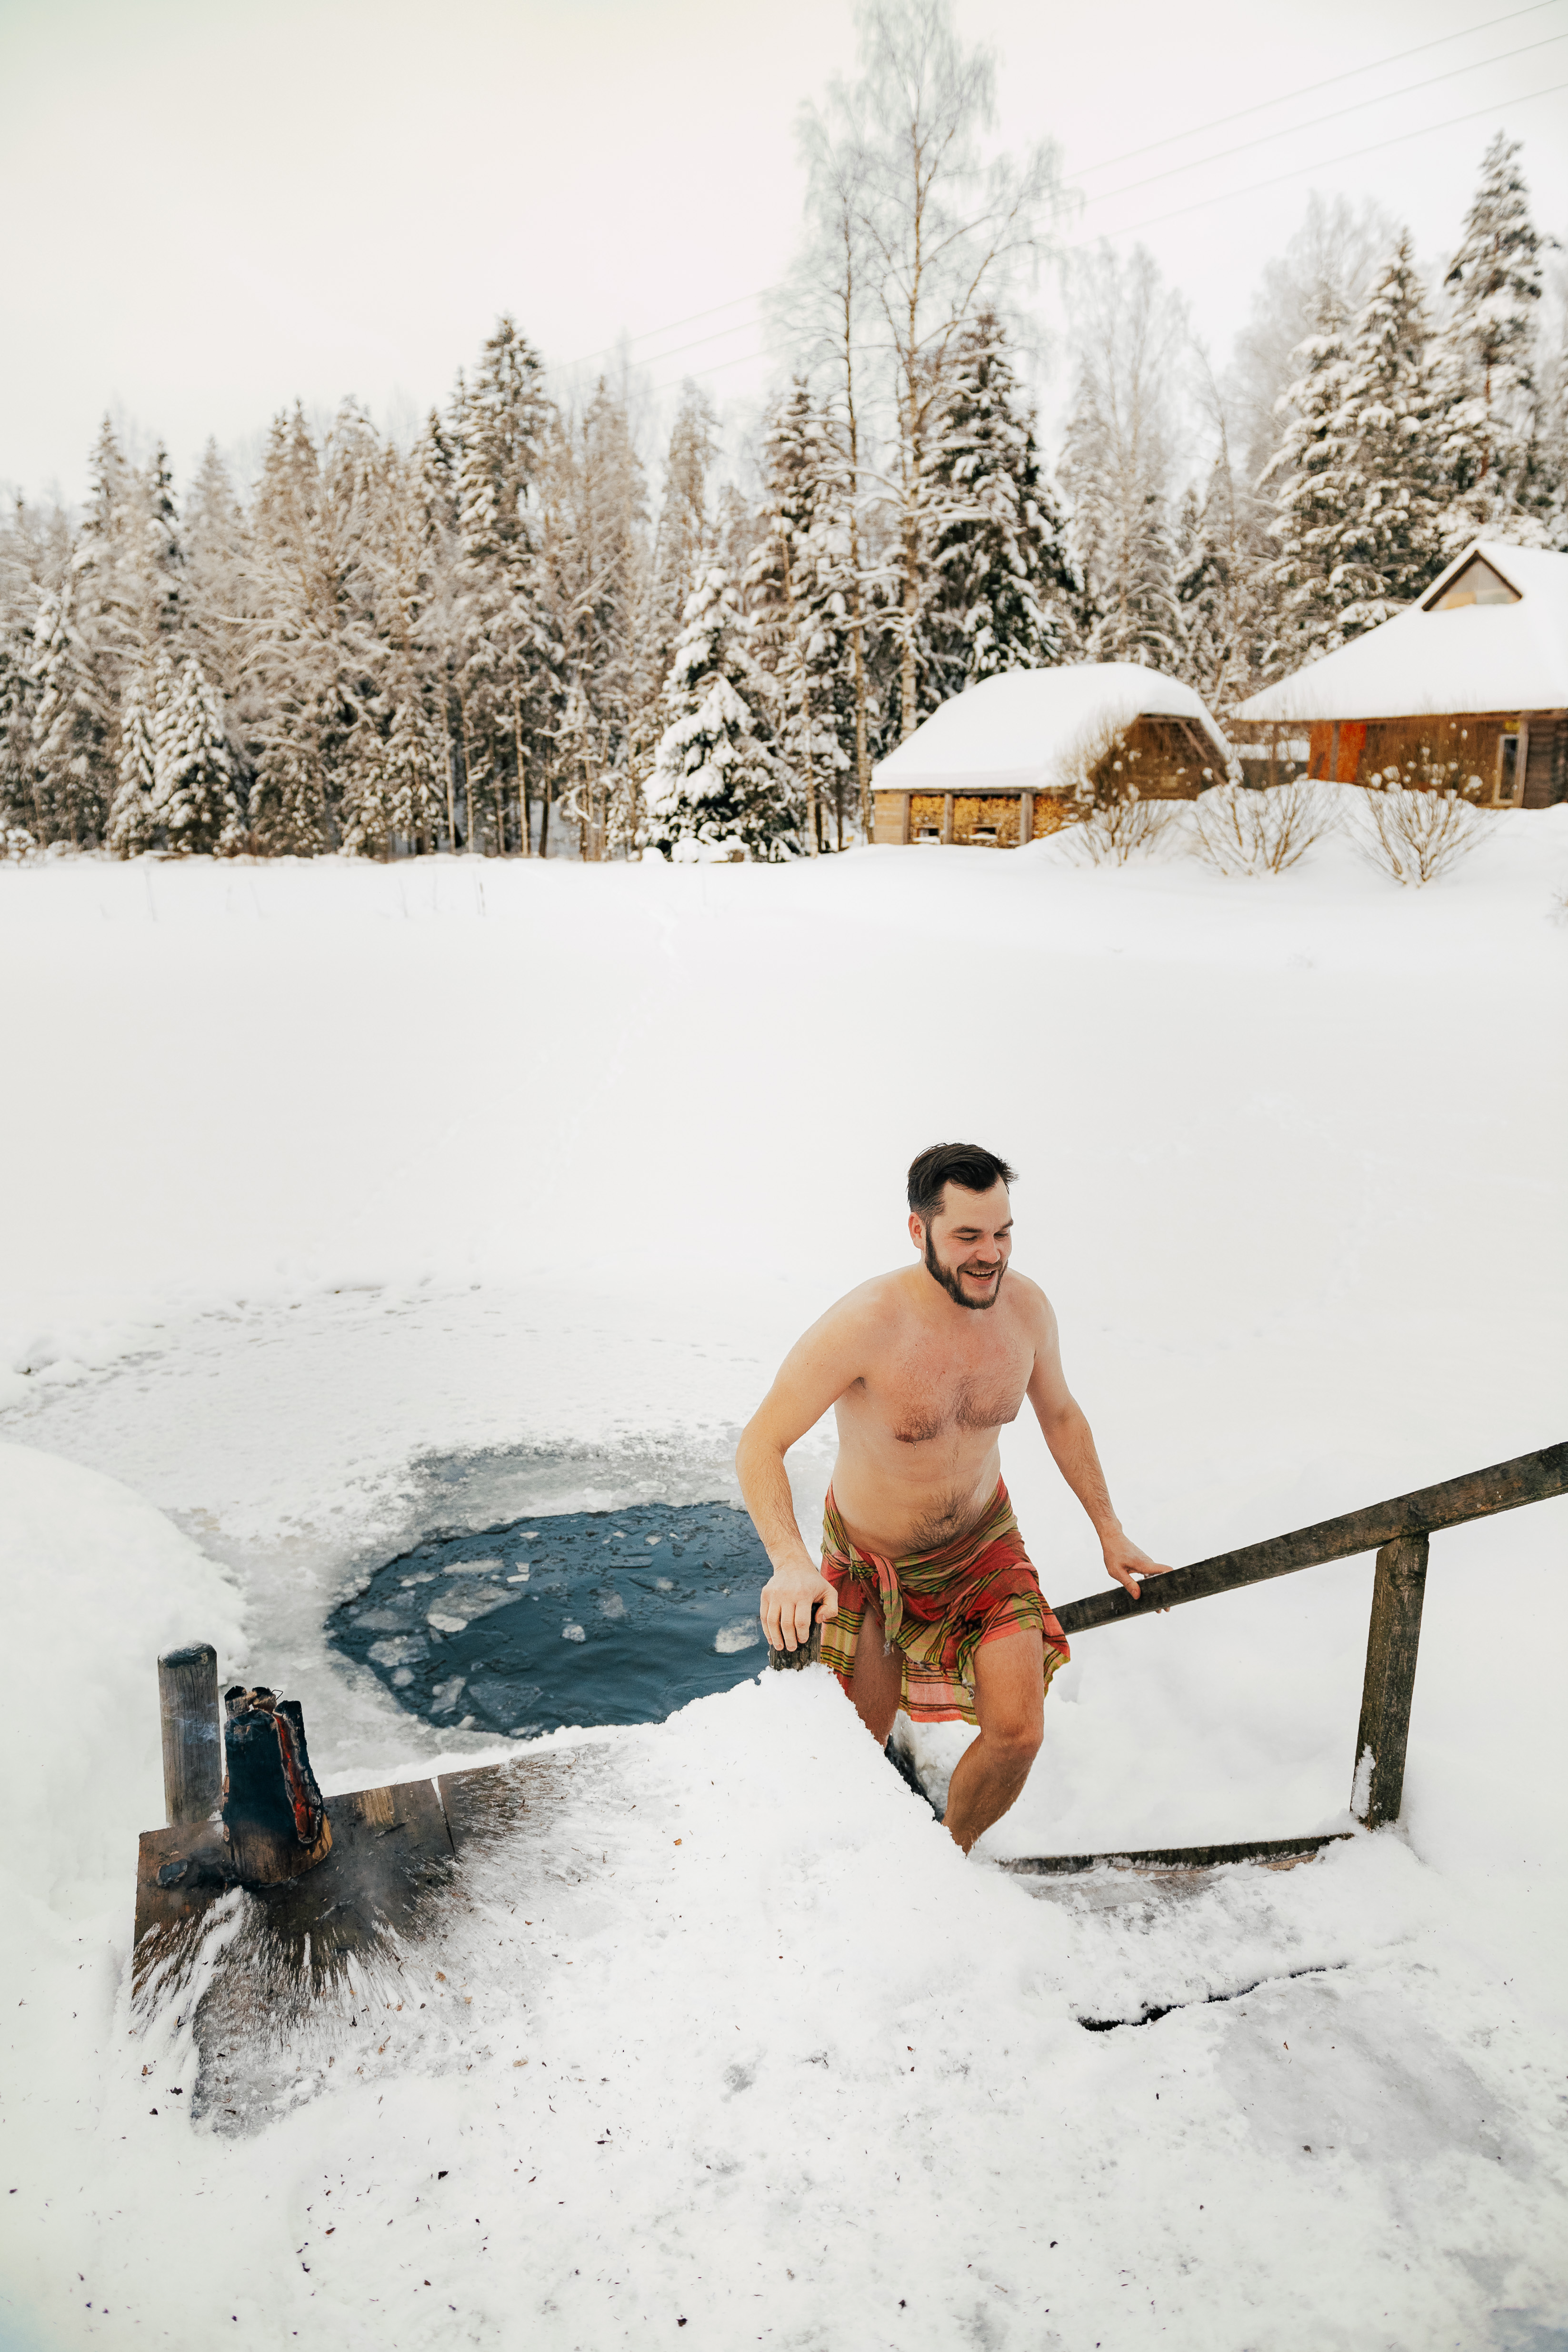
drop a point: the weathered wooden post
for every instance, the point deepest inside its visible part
(1398, 1590)
(192, 1749)
(275, 1820)
(808, 1653)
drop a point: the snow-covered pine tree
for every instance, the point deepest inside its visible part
(1309, 513)
(1488, 335)
(717, 784)
(798, 593)
(684, 545)
(996, 531)
(1118, 459)
(68, 723)
(196, 805)
(596, 558)
(1385, 479)
(133, 816)
(512, 665)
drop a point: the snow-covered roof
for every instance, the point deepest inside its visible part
(1024, 730)
(1508, 656)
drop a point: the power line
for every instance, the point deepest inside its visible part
(695, 317)
(1308, 89)
(1332, 162)
(1334, 115)
(649, 332)
(1230, 195)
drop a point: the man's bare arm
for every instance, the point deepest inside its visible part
(1072, 1441)
(813, 1376)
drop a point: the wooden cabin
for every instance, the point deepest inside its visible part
(996, 765)
(1471, 682)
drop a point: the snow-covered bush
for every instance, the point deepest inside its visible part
(1417, 821)
(15, 841)
(1239, 830)
(1109, 819)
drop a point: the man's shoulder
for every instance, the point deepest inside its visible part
(1028, 1301)
(882, 1299)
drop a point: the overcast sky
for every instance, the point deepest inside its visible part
(217, 207)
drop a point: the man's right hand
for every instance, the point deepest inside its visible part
(789, 1597)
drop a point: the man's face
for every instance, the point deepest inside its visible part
(967, 1243)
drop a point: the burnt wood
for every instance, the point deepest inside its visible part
(1175, 1858)
(274, 1822)
(1391, 1642)
(192, 1745)
(1505, 1486)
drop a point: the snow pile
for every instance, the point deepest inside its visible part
(362, 1202)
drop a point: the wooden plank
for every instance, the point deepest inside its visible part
(1505, 1486)
(388, 1846)
(1391, 1642)
(487, 1803)
(1175, 1858)
(193, 1746)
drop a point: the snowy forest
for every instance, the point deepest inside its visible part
(525, 631)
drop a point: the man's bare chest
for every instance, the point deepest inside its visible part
(923, 1393)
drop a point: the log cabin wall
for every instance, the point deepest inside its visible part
(1170, 758)
(1354, 751)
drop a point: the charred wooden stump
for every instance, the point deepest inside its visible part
(274, 1820)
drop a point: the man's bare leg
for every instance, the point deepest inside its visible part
(877, 1684)
(1009, 1699)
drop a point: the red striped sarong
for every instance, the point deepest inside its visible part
(937, 1608)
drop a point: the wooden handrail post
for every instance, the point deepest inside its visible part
(1398, 1588)
(193, 1748)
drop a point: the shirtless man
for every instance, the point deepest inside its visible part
(926, 1596)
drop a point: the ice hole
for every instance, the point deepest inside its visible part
(615, 1644)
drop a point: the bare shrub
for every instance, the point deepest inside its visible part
(1107, 820)
(1241, 829)
(1417, 821)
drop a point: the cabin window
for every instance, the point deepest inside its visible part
(985, 836)
(1509, 770)
(1477, 583)
(929, 832)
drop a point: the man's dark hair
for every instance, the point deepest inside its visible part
(953, 1164)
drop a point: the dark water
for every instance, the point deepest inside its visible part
(590, 1617)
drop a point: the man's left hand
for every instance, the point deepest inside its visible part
(1127, 1561)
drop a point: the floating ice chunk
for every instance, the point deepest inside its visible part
(445, 1623)
(472, 1567)
(403, 1677)
(739, 1636)
(382, 1620)
(445, 1695)
(522, 1575)
(572, 1633)
(652, 1540)
(663, 1584)
(612, 1605)
(425, 1576)
(399, 1650)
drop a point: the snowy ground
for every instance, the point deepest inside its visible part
(343, 1202)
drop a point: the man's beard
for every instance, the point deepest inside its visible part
(951, 1283)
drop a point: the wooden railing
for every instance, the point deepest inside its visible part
(1399, 1532)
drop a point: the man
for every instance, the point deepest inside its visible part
(928, 1598)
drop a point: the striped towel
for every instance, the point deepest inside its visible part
(938, 1607)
